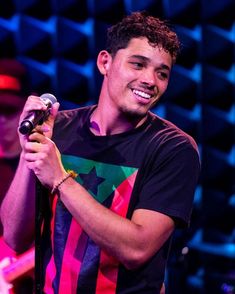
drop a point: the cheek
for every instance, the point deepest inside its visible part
(163, 86)
(116, 81)
(121, 73)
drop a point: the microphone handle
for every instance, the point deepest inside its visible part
(32, 120)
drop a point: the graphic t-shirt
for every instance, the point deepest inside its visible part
(154, 166)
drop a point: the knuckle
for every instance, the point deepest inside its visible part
(38, 164)
(43, 156)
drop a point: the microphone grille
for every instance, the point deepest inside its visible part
(48, 96)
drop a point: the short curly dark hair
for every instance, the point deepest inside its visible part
(140, 24)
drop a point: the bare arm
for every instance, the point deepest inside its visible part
(133, 241)
(18, 206)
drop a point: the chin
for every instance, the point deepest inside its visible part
(134, 114)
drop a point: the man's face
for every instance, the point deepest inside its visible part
(137, 77)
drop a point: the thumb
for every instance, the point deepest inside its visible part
(47, 126)
(53, 114)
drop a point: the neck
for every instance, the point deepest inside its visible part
(106, 122)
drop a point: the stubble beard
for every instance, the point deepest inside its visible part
(133, 115)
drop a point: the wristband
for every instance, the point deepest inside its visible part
(70, 174)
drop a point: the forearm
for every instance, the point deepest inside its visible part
(18, 209)
(127, 240)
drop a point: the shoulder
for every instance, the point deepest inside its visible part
(166, 134)
(71, 115)
(68, 122)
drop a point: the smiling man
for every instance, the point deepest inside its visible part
(143, 74)
(108, 229)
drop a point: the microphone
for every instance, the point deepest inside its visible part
(37, 117)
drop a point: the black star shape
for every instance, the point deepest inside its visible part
(91, 181)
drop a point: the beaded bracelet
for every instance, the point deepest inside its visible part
(70, 174)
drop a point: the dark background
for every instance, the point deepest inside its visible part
(58, 41)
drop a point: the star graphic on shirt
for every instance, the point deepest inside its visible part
(91, 181)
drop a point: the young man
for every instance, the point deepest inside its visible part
(108, 230)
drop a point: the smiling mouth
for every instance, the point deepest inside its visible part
(142, 94)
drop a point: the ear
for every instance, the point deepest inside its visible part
(103, 61)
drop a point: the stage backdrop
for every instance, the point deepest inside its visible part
(58, 41)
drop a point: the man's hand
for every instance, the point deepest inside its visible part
(43, 157)
(40, 153)
(34, 103)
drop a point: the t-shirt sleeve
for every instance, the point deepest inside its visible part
(169, 184)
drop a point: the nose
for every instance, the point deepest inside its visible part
(148, 77)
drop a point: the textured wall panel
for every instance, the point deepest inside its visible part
(58, 41)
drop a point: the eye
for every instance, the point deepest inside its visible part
(163, 75)
(137, 65)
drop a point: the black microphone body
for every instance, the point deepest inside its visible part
(37, 117)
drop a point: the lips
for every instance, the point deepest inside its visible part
(142, 94)
(142, 97)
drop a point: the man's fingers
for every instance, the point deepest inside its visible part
(38, 137)
(33, 103)
(32, 147)
(55, 108)
(53, 113)
(47, 126)
(44, 128)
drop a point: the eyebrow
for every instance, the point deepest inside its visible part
(146, 59)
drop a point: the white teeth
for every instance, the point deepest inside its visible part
(142, 94)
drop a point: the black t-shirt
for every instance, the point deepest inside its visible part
(154, 166)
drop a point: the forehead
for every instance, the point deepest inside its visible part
(141, 46)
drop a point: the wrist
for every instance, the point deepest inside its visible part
(69, 174)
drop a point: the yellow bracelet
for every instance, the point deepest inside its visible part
(70, 174)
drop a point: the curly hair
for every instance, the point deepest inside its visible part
(139, 24)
